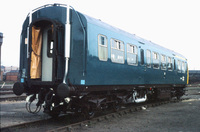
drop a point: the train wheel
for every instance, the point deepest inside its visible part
(88, 112)
(178, 97)
(52, 106)
(54, 113)
(116, 106)
(32, 105)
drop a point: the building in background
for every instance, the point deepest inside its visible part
(2, 73)
(194, 76)
(1, 76)
(12, 75)
(9, 73)
(10, 68)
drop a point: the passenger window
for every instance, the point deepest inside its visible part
(179, 66)
(141, 57)
(163, 62)
(183, 67)
(156, 60)
(132, 57)
(102, 48)
(117, 51)
(169, 64)
(148, 58)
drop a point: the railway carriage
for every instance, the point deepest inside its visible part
(76, 63)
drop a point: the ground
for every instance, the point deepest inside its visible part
(174, 117)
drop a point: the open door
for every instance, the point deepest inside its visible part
(47, 54)
(42, 47)
(47, 60)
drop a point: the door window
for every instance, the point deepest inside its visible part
(50, 43)
(148, 58)
(156, 60)
(169, 63)
(132, 54)
(142, 57)
(117, 51)
(163, 62)
(102, 48)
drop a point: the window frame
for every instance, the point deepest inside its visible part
(119, 42)
(100, 46)
(171, 63)
(133, 53)
(158, 58)
(163, 61)
(175, 65)
(179, 65)
(183, 65)
(142, 61)
(148, 58)
(50, 43)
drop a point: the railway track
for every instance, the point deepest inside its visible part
(74, 122)
(12, 98)
(110, 116)
(6, 94)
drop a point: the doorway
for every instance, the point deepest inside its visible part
(47, 54)
(42, 48)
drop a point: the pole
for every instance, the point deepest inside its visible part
(67, 42)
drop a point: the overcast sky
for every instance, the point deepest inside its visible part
(174, 24)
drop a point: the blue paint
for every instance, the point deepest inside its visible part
(82, 82)
(22, 80)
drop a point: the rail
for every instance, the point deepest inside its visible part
(77, 122)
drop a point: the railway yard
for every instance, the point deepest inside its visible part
(79, 74)
(183, 115)
(87, 75)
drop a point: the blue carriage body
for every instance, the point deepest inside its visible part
(87, 68)
(107, 72)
